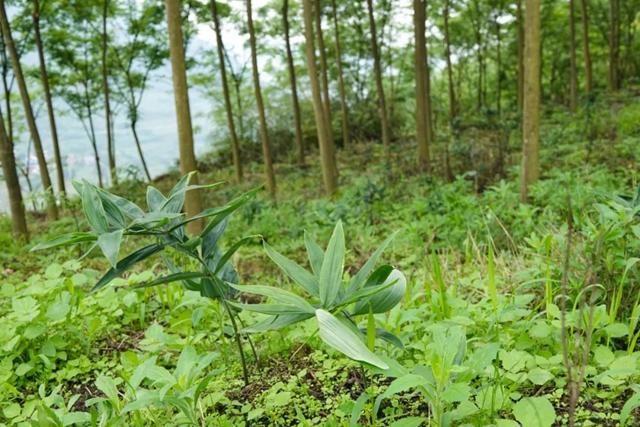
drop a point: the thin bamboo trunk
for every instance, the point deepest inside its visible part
(327, 158)
(111, 151)
(377, 70)
(193, 201)
(92, 135)
(134, 131)
(573, 71)
(44, 78)
(588, 73)
(235, 144)
(453, 106)
(10, 173)
(531, 113)
(52, 208)
(264, 133)
(297, 121)
(420, 61)
(614, 45)
(344, 112)
(520, 42)
(324, 69)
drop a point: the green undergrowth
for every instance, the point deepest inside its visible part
(483, 310)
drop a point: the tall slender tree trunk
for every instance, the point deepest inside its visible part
(44, 77)
(377, 70)
(327, 158)
(264, 133)
(344, 112)
(297, 121)
(10, 173)
(573, 69)
(498, 67)
(479, 56)
(423, 135)
(588, 74)
(614, 45)
(111, 151)
(235, 144)
(52, 208)
(531, 113)
(193, 201)
(134, 131)
(453, 105)
(520, 43)
(324, 69)
(92, 135)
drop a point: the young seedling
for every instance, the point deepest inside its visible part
(111, 218)
(332, 301)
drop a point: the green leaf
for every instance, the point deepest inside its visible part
(175, 200)
(232, 250)
(93, 209)
(128, 208)
(155, 199)
(279, 295)
(126, 263)
(629, 406)
(277, 322)
(399, 385)
(271, 309)
(358, 406)
(66, 239)
(293, 270)
(110, 245)
(363, 274)
(617, 330)
(332, 267)
(217, 215)
(539, 376)
(409, 422)
(342, 338)
(386, 299)
(170, 278)
(534, 412)
(108, 386)
(314, 252)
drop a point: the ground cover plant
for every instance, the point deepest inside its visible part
(319, 213)
(504, 310)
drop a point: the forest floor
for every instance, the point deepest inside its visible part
(490, 281)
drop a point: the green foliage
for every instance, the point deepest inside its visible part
(329, 297)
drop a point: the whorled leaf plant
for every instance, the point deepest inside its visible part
(112, 218)
(332, 301)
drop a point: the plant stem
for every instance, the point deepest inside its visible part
(245, 372)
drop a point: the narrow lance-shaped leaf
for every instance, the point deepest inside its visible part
(340, 337)
(128, 262)
(155, 199)
(386, 299)
(170, 278)
(93, 210)
(232, 250)
(271, 309)
(65, 240)
(332, 267)
(363, 274)
(295, 272)
(277, 322)
(314, 252)
(279, 295)
(110, 245)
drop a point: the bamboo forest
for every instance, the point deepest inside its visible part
(320, 213)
